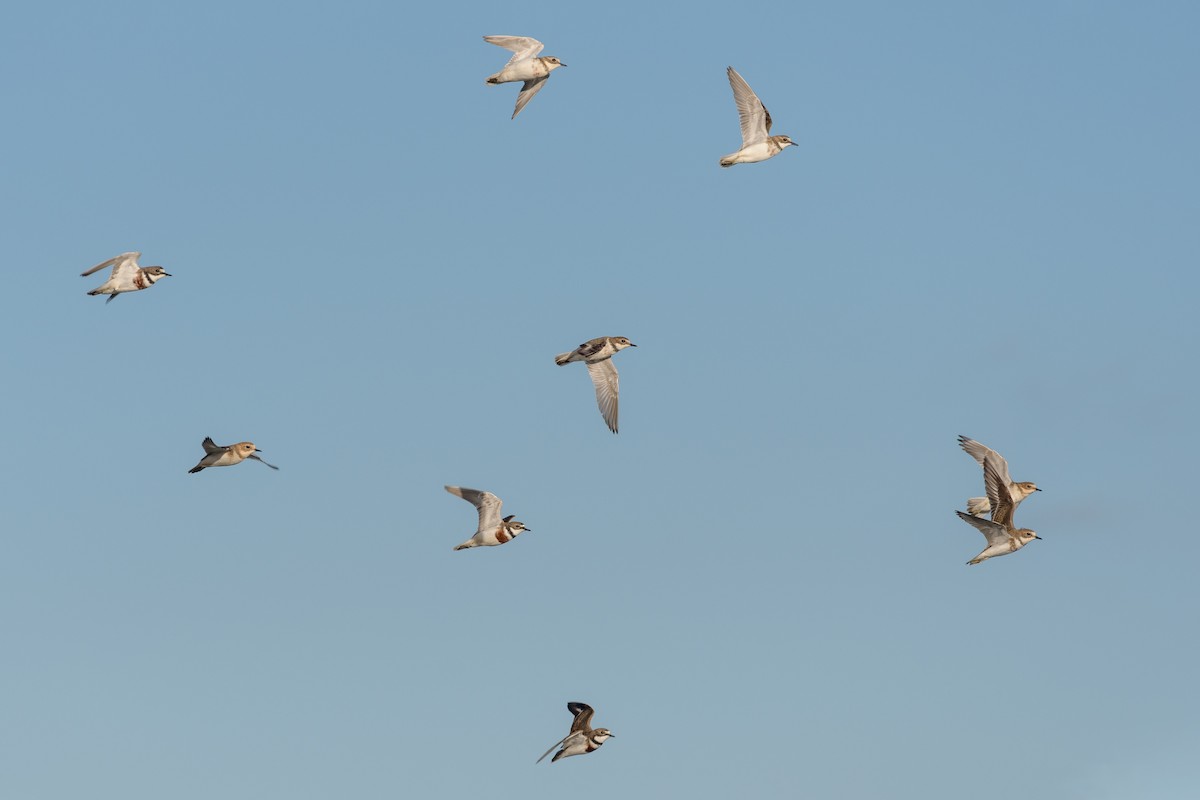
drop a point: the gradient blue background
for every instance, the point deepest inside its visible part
(989, 228)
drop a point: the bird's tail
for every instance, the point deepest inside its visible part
(978, 506)
(727, 161)
(196, 468)
(464, 546)
(563, 358)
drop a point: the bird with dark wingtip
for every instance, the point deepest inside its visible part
(583, 738)
(216, 455)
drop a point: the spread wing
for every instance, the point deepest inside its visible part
(125, 263)
(259, 460)
(211, 447)
(604, 377)
(998, 493)
(995, 533)
(487, 503)
(561, 741)
(756, 120)
(583, 717)
(982, 453)
(528, 90)
(523, 47)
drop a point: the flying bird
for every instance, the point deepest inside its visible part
(1003, 537)
(757, 143)
(492, 530)
(980, 506)
(216, 455)
(126, 276)
(525, 65)
(583, 738)
(597, 354)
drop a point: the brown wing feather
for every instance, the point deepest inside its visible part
(583, 717)
(1002, 505)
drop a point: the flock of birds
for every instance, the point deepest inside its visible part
(991, 515)
(533, 70)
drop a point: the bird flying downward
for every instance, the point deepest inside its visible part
(525, 65)
(583, 738)
(126, 276)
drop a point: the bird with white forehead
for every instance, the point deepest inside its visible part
(583, 738)
(492, 529)
(126, 276)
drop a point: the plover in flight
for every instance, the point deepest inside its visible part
(492, 530)
(525, 65)
(980, 506)
(1002, 537)
(218, 456)
(126, 276)
(757, 142)
(583, 738)
(596, 353)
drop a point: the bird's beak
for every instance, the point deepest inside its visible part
(1036, 536)
(561, 64)
(168, 275)
(1037, 490)
(631, 344)
(257, 450)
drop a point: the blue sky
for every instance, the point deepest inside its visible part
(989, 228)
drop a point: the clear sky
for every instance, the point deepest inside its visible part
(989, 228)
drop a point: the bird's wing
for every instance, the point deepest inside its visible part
(998, 493)
(604, 377)
(523, 47)
(125, 270)
(528, 90)
(487, 503)
(211, 458)
(583, 717)
(981, 452)
(756, 121)
(996, 482)
(995, 533)
(210, 446)
(561, 741)
(259, 460)
(120, 261)
(591, 347)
